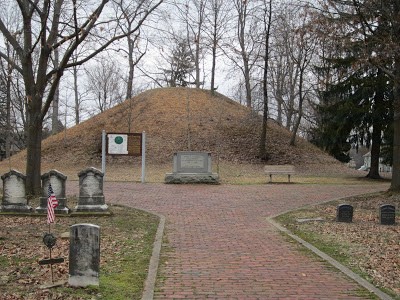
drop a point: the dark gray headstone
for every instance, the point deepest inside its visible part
(344, 213)
(91, 197)
(387, 214)
(14, 193)
(84, 255)
(57, 181)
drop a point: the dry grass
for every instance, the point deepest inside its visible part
(180, 119)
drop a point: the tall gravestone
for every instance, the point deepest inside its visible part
(192, 167)
(14, 193)
(58, 182)
(84, 255)
(387, 214)
(344, 213)
(91, 197)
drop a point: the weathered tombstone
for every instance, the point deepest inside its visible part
(14, 193)
(84, 255)
(387, 214)
(57, 181)
(91, 197)
(344, 213)
(192, 167)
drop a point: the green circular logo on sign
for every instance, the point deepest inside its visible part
(118, 140)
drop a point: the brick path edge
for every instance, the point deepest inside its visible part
(149, 284)
(361, 281)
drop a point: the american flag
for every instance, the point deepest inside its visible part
(51, 204)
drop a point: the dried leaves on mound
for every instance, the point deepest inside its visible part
(364, 245)
(178, 119)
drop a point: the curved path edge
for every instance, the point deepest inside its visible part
(149, 285)
(333, 262)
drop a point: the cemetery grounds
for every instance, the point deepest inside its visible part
(369, 249)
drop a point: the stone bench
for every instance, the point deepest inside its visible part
(279, 170)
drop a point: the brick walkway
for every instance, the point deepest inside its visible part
(222, 247)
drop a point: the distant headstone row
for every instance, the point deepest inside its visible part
(387, 214)
(91, 197)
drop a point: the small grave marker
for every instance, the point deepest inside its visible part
(387, 214)
(84, 255)
(344, 213)
(50, 241)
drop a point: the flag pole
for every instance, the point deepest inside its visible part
(51, 268)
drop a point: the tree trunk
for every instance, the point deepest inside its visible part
(375, 151)
(263, 139)
(77, 105)
(377, 113)
(214, 53)
(197, 61)
(247, 81)
(8, 112)
(129, 87)
(54, 117)
(34, 147)
(395, 183)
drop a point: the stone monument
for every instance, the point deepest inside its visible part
(192, 167)
(14, 193)
(84, 255)
(57, 181)
(91, 197)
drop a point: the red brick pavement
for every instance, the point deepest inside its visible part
(222, 247)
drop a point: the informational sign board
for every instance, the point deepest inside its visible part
(124, 144)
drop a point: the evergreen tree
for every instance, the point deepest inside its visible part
(354, 108)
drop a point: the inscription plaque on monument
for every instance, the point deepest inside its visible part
(192, 167)
(344, 213)
(387, 214)
(192, 162)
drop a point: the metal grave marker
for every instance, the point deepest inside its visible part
(344, 213)
(387, 214)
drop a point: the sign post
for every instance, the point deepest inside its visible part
(129, 144)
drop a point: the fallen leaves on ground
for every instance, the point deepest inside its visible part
(369, 247)
(21, 248)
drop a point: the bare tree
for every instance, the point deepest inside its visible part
(129, 11)
(104, 84)
(83, 23)
(217, 20)
(302, 57)
(247, 49)
(267, 20)
(192, 14)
